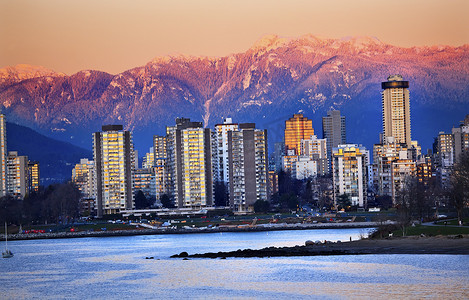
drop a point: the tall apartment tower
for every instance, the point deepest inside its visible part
(396, 109)
(247, 167)
(149, 159)
(189, 151)
(3, 156)
(461, 138)
(297, 128)
(160, 159)
(17, 174)
(333, 129)
(114, 158)
(220, 157)
(393, 163)
(349, 165)
(84, 177)
(33, 176)
(316, 149)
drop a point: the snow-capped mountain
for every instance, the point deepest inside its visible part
(266, 84)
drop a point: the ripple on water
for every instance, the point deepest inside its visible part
(116, 268)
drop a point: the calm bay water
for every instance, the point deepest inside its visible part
(116, 268)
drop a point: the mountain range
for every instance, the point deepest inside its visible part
(56, 158)
(269, 82)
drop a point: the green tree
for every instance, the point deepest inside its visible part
(10, 210)
(141, 201)
(32, 207)
(166, 201)
(307, 192)
(343, 202)
(221, 194)
(384, 201)
(289, 200)
(261, 206)
(62, 202)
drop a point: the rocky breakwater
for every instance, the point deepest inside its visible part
(405, 245)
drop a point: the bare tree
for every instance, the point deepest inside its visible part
(404, 203)
(459, 191)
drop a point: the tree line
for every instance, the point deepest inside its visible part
(57, 203)
(417, 200)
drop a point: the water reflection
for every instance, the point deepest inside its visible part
(116, 268)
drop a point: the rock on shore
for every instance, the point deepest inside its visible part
(405, 245)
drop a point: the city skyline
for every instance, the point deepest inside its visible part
(68, 37)
(178, 142)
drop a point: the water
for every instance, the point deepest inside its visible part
(116, 268)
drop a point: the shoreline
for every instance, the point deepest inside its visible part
(453, 244)
(158, 231)
(458, 245)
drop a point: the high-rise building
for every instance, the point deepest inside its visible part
(247, 167)
(279, 152)
(144, 180)
(297, 128)
(273, 183)
(444, 158)
(333, 130)
(3, 156)
(304, 167)
(159, 149)
(461, 138)
(449, 147)
(220, 157)
(161, 173)
(17, 174)
(33, 176)
(396, 109)
(316, 150)
(288, 160)
(349, 169)
(84, 178)
(115, 160)
(425, 170)
(393, 163)
(189, 159)
(149, 159)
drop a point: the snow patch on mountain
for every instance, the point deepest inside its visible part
(22, 72)
(85, 73)
(251, 102)
(269, 43)
(231, 62)
(248, 76)
(361, 42)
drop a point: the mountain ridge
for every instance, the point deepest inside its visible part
(276, 74)
(56, 158)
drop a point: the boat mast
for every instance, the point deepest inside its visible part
(6, 237)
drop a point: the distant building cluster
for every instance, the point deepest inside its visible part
(447, 148)
(188, 165)
(196, 168)
(18, 175)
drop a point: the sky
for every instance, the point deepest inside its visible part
(116, 35)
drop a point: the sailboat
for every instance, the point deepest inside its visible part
(7, 253)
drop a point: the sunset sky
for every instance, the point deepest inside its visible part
(115, 35)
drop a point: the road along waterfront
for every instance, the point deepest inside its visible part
(145, 229)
